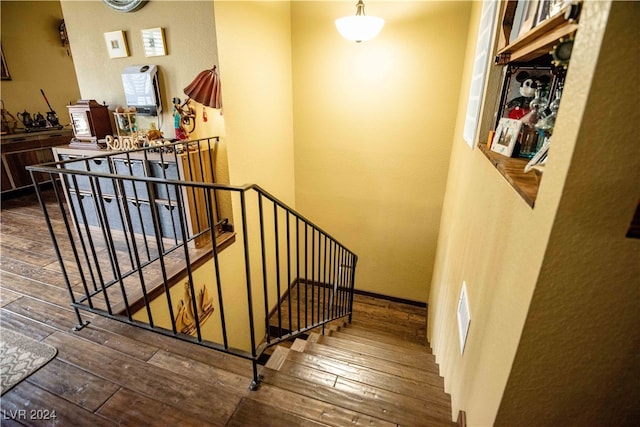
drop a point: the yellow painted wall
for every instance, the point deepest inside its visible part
(254, 46)
(373, 129)
(509, 253)
(255, 64)
(188, 52)
(36, 59)
(255, 71)
(577, 361)
(233, 294)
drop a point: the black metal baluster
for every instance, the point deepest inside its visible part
(291, 328)
(318, 280)
(277, 266)
(313, 274)
(81, 324)
(334, 278)
(103, 220)
(354, 261)
(306, 281)
(264, 269)
(188, 265)
(298, 270)
(342, 280)
(137, 265)
(75, 221)
(245, 238)
(324, 281)
(216, 262)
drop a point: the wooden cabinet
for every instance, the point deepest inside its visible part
(24, 149)
(138, 198)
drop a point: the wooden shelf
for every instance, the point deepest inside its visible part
(512, 169)
(538, 41)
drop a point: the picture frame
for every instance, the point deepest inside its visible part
(506, 136)
(116, 44)
(511, 95)
(529, 15)
(5, 69)
(542, 13)
(153, 42)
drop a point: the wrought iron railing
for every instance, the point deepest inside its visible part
(147, 238)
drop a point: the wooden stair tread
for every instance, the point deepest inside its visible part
(372, 301)
(382, 341)
(407, 358)
(383, 380)
(428, 375)
(383, 308)
(309, 407)
(412, 332)
(360, 330)
(370, 400)
(250, 412)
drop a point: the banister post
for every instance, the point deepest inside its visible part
(245, 238)
(352, 286)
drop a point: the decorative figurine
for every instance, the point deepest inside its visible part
(519, 106)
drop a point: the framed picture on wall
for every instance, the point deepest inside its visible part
(529, 15)
(506, 136)
(543, 11)
(116, 44)
(153, 42)
(5, 69)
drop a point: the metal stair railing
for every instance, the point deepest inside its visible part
(126, 241)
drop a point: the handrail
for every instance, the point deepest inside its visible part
(133, 235)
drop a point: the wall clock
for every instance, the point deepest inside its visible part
(125, 5)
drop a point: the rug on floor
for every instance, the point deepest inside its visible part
(20, 357)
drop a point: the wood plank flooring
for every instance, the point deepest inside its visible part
(377, 371)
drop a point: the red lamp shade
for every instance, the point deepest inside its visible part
(206, 89)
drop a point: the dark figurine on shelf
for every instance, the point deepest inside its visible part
(26, 119)
(39, 121)
(519, 107)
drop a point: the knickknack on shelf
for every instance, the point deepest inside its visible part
(535, 39)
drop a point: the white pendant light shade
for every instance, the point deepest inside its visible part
(359, 28)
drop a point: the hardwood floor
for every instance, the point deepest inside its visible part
(376, 371)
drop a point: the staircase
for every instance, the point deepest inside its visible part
(376, 371)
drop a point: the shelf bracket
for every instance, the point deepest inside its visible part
(502, 59)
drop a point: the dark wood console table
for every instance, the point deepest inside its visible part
(23, 149)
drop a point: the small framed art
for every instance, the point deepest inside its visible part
(543, 11)
(5, 69)
(153, 42)
(529, 15)
(116, 44)
(506, 136)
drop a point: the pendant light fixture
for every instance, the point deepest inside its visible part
(359, 28)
